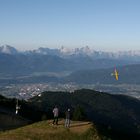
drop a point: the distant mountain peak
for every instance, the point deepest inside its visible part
(76, 51)
(7, 49)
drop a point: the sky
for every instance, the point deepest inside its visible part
(108, 25)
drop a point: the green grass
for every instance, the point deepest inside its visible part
(46, 131)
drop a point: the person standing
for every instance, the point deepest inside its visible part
(67, 121)
(55, 113)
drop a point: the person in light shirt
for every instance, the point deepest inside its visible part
(55, 113)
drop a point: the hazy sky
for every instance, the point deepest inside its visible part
(101, 24)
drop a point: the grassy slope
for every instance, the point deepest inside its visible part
(46, 131)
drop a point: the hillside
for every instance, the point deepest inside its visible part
(115, 116)
(8, 118)
(127, 74)
(45, 131)
(105, 110)
(25, 64)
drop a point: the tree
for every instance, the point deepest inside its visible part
(79, 114)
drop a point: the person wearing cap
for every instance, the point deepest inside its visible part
(67, 120)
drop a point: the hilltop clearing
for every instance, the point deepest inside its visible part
(46, 131)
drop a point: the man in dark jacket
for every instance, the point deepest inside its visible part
(67, 121)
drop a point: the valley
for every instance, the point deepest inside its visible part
(26, 91)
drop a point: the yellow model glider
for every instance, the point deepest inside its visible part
(116, 74)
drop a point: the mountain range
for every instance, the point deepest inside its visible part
(69, 52)
(80, 65)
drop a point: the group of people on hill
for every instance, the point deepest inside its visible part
(67, 117)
